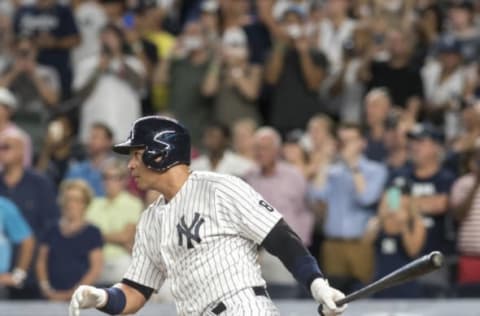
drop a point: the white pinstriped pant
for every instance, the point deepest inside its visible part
(246, 303)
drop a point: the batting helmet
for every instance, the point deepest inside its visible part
(166, 142)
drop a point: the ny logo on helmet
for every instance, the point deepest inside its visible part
(159, 136)
(191, 232)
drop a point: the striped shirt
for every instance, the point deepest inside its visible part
(469, 231)
(206, 239)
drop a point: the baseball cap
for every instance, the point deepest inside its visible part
(449, 44)
(426, 130)
(8, 99)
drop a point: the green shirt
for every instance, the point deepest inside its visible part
(111, 216)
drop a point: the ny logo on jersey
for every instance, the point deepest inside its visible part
(190, 232)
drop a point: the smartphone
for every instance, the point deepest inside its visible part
(394, 198)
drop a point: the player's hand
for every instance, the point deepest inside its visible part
(326, 295)
(86, 297)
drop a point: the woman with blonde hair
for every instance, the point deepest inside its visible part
(71, 250)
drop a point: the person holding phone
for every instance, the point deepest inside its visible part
(398, 236)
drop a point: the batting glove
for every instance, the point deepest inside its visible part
(87, 297)
(326, 296)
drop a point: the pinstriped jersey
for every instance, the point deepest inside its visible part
(205, 239)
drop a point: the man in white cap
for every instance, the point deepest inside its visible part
(8, 105)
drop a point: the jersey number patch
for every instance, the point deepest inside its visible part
(266, 205)
(191, 232)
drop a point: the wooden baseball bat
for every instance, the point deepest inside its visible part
(410, 271)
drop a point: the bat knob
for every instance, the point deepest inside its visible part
(320, 310)
(436, 258)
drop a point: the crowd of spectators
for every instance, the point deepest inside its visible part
(358, 120)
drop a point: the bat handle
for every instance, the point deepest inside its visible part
(340, 302)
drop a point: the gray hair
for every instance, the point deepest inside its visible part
(268, 131)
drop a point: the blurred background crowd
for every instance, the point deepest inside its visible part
(358, 120)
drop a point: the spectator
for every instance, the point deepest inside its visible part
(148, 19)
(295, 69)
(396, 143)
(283, 186)
(35, 86)
(471, 130)
(352, 188)
(33, 193)
(428, 184)
(428, 26)
(377, 107)
(90, 19)
(53, 27)
(112, 82)
(242, 138)
(346, 89)
(294, 153)
(462, 27)
(335, 30)
(398, 234)
(233, 81)
(71, 251)
(8, 105)
(98, 152)
(60, 149)
(322, 148)
(464, 202)
(115, 215)
(406, 90)
(143, 49)
(14, 230)
(445, 81)
(218, 157)
(184, 72)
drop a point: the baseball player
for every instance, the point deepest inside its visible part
(203, 232)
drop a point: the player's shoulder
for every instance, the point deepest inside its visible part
(216, 180)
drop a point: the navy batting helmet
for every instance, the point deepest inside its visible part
(166, 142)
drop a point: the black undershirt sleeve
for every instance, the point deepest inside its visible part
(144, 290)
(285, 244)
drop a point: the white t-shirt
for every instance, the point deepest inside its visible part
(331, 41)
(113, 101)
(90, 19)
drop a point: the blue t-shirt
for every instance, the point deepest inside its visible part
(389, 256)
(13, 230)
(439, 227)
(36, 198)
(68, 256)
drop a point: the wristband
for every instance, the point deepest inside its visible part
(116, 301)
